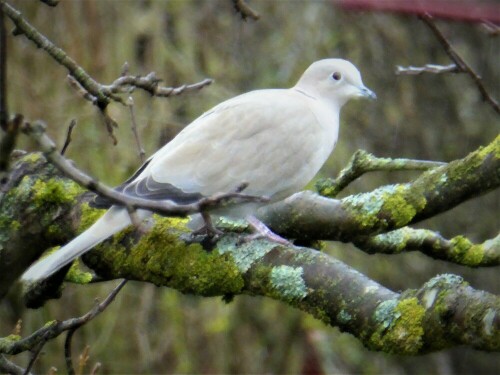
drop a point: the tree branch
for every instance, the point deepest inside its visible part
(457, 250)
(363, 162)
(443, 312)
(11, 368)
(427, 68)
(462, 66)
(98, 94)
(389, 207)
(54, 328)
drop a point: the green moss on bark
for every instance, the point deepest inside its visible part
(400, 329)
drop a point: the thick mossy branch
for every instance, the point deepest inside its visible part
(35, 214)
(444, 312)
(310, 216)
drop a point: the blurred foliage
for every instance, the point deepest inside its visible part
(438, 117)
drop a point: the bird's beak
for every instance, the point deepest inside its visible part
(365, 92)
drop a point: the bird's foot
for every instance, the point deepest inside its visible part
(208, 230)
(261, 231)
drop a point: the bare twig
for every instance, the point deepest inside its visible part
(142, 153)
(427, 68)
(9, 367)
(244, 10)
(72, 124)
(24, 27)
(67, 351)
(80, 90)
(55, 328)
(110, 124)
(363, 162)
(462, 66)
(35, 352)
(150, 83)
(491, 29)
(100, 95)
(37, 131)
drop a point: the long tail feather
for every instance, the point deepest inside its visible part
(114, 220)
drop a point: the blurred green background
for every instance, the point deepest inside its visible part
(158, 330)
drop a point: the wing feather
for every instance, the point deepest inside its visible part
(265, 138)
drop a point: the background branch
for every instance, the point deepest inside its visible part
(363, 162)
(56, 328)
(457, 250)
(11, 368)
(462, 66)
(98, 94)
(427, 68)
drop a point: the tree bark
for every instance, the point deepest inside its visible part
(40, 208)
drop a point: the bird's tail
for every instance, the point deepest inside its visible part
(114, 220)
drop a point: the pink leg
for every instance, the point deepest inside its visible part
(261, 231)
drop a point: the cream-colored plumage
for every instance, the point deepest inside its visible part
(274, 140)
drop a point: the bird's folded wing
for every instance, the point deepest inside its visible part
(265, 138)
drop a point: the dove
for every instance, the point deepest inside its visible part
(272, 140)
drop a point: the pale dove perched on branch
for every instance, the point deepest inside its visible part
(274, 140)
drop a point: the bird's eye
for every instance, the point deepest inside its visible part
(336, 76)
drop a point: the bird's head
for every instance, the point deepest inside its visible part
(335, 80)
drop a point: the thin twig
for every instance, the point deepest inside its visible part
(142, 153)
(80, 90)
(55, 328)
(109, 123)
(460, 62)
(363, 162)
(491, 29)
(244, 10)
(34, 356)
(100, 95)
(37, 131)
(72, 124)
(67, 351)
(427, 68)
(150, 84)
(58, 54)
(9, 367)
